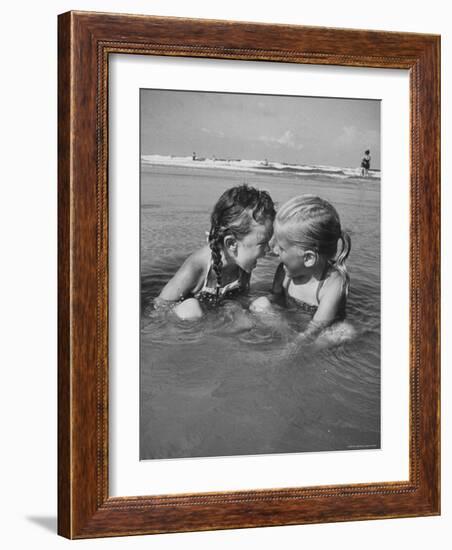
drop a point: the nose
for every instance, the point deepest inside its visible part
(273, 250)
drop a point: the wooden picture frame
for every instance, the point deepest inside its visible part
(85, 42)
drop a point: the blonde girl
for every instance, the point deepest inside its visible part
(313, 250)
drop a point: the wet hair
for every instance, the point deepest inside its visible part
(313, 223)
(234, 214)
(367, 152)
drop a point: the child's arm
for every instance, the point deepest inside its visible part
(331, 299)
(185, 280)
(246, 280)
(277, 295)
(264, 303)
(278, 279)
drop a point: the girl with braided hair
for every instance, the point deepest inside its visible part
(241, 228)
(312, 275)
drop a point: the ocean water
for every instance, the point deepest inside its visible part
(231, 383)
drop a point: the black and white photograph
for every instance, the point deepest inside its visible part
(224, 236)
(259, 274)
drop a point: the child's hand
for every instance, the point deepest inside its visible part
(261, 305)
(302, 341)
(293, 348)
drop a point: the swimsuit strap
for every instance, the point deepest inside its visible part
(230, 286)
(226, 288)
(209, 267)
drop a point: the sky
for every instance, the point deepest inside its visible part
(295, 130)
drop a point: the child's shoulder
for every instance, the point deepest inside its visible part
(333, 284)
(197, 260)
(202, 255)
(187, 278)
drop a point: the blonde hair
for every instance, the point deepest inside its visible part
(313, 223)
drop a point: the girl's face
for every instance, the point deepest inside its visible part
(292, 256)
(253, 246)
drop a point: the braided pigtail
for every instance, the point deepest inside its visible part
(235, 213)
(343, 255)
(215, 247)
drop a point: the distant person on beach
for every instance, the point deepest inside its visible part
(241, 228)
(312, 275)
(365, 163)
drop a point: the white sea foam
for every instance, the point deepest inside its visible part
(256, 166)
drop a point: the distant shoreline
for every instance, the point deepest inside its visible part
(258, 166)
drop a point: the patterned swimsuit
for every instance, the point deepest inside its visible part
(210, 297)
(311, 309)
